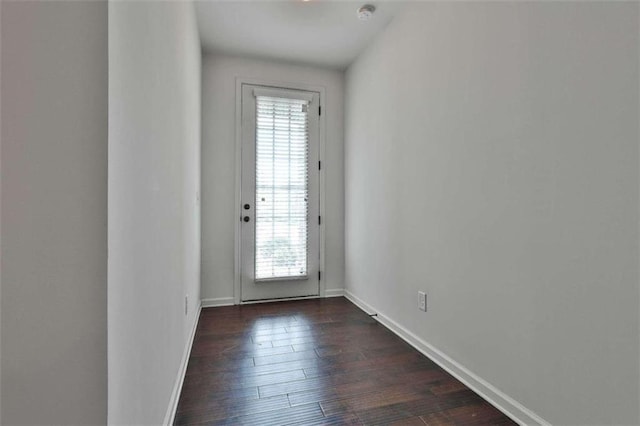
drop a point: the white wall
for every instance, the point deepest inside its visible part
(219, 173)
(1, 214)
(492, 160)
(154, 172)
(54, 212)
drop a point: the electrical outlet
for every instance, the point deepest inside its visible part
(422, 301)
(186, 304)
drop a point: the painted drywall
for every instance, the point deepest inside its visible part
(154, 175)
(0, 214)
(219, 75)
(54, 212)
(492, 161)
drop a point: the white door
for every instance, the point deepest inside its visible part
(280, 253)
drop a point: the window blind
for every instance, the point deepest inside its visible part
(281, 222)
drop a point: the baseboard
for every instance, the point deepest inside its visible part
(220, 301)
(359, 302)
(509, 406)
(334, 292)
(230, 301)
(284, 299)
(177, 387)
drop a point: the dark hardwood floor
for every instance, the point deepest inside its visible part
(316, 362)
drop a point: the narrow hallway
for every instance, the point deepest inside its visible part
(320, 361)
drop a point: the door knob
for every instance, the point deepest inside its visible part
(246, 219)
(247, 206)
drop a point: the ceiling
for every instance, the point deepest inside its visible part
(318, 32)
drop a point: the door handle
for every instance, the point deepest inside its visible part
(247, 206)
(246, 219)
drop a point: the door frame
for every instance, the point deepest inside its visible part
(237, 288)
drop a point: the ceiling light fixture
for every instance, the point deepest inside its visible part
(366, 12)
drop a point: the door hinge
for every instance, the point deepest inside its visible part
(319, 110)
(319, 220)
(319, 165)
(319, 275)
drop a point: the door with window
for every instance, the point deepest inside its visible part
(279, 252)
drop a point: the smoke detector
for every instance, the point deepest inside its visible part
(366, 12)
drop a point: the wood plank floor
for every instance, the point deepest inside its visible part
(316, 362)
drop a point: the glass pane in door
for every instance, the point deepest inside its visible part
(281, 224)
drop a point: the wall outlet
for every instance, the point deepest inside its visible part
(186, 304)
(422, 301)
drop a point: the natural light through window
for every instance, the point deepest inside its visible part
(281, 188)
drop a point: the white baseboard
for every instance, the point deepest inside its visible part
(509, 406)
(334, 292)
(230, 301)
(170, 415)
(220, 301)
(288, 299)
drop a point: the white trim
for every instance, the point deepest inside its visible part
(230, 301)
(334, 292)
(238, 193)
(283, 93)
(170, 415)
(238, 164)
(218, 301)
(368, 309)
(254, 302)
(509, 406)
(321, 157)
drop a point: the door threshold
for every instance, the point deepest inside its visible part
(282, 299)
